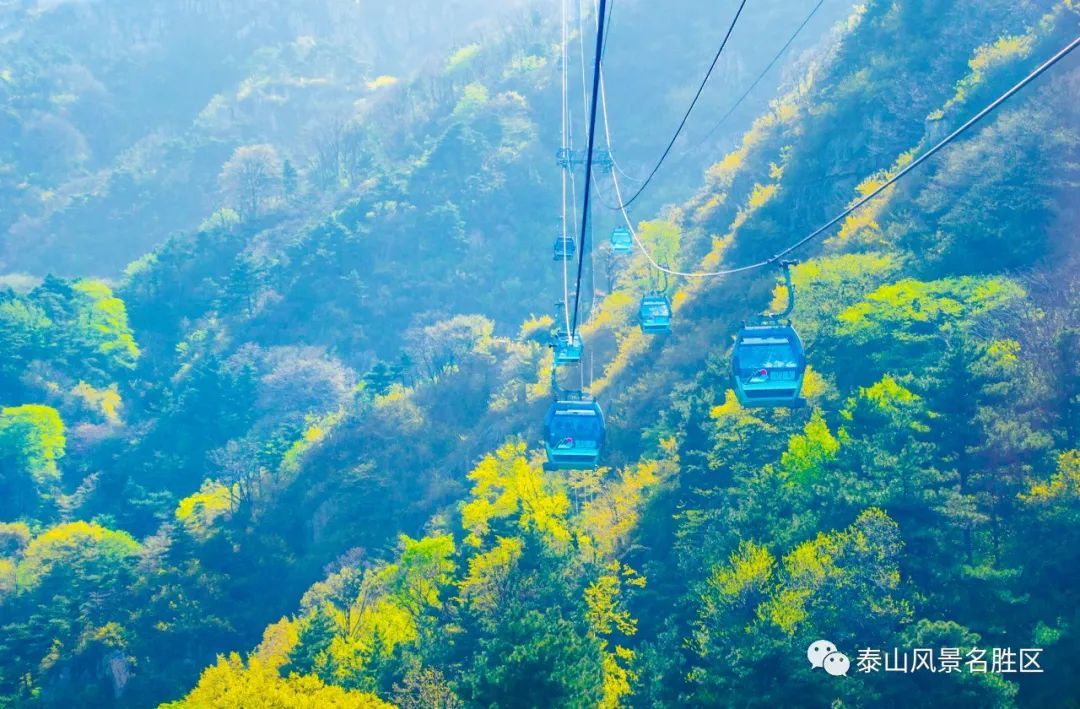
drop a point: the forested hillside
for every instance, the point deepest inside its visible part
(290, 454)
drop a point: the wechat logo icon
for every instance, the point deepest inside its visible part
(823, 654)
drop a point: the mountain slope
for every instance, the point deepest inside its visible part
(893, 513)
(347, 382)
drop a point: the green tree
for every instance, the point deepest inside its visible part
(103, 325)
(31, 442)
(24, 334)
(535, 644)
(67, 614)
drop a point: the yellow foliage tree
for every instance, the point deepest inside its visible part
(1061, 491)
(507, 485)
(230, 683)
(607, 615)
(483, 587)
(749, 568)
(608, 518)
(809, 451)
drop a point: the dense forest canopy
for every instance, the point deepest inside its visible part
(276, 299)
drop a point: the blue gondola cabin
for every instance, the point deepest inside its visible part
(573, 433)
(564, 248)
(622, 241)
(567, 350)
(655, 314)
(768, 364)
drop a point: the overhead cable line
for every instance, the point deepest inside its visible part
(1038, 71)
(764, 72)
(589, 160)
(585, 215)
(686, 116)
(565, 127)
(607, 32)
(582, 65)
(734, 107)
(941, 144)
(610, 148)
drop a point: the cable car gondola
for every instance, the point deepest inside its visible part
(622, 241)
(768, 362)
(567, 350)
(655, 313)
(768, 365)
(564, 248)
(573, 432)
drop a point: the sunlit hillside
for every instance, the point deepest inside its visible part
(292, 410)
